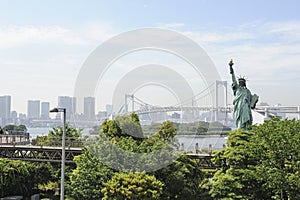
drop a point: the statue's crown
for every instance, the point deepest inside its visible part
(242, 78)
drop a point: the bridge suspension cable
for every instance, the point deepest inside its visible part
(140, 102)
(196, 97)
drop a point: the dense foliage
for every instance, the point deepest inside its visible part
(132, 185)
(12, 127)
(178, 180)
(19, 177)
(86, 181)
(263, 163)
(181, 179)
(26, 178)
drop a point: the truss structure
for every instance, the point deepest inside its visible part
(53, 154)
(38, 153)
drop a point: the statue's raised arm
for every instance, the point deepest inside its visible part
(232, 72)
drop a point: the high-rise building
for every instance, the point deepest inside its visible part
(14, 114)
(70, 104)
(89, 108)
(5, 109)
(33, 109)
(45, 108)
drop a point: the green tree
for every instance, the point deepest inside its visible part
(123, 126)
(260, 164)
(132, 185)
(167, 131)
(111, 129)
(164, 137)
(86, 181)
(237, 177)
(276, 142)
(181, 179)
(13, 127)
(54, 137)
(130, 126)
(22, 178)
(118, 148)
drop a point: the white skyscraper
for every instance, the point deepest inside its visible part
(33, 109)
(89, 108)
(45, 107)
(5, 109)
(69, 103)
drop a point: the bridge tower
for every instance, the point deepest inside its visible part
(129, 97)
(224, 85)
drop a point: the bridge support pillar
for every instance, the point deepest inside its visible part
(127, 98)
(266, 114)
(224, 84)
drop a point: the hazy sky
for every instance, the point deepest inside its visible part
(43, 44)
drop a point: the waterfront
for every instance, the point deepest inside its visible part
(186, 142)
(38, 131)
(43, 131)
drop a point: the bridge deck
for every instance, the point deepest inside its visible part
(262, 109)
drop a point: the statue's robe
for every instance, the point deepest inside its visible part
(243, 103)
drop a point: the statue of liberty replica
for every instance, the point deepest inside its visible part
(243, 101)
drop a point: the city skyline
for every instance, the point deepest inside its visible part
(42, 53)
(37, 109)
(38, 114)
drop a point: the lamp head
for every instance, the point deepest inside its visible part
(54, 110)
(58, 110)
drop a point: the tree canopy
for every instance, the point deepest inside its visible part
(12, 127)
(131, 186)
(19, 177)
(92, 179)
(86, 181)
(263, 163)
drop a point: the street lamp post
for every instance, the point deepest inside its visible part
(63, 152)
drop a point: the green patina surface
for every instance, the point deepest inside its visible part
(243, 101)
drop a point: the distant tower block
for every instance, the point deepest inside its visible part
(218, 84)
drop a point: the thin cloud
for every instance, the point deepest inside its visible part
(173, 25)
(218, 36)
(267, 53)
(13, 36)
(97, 32)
